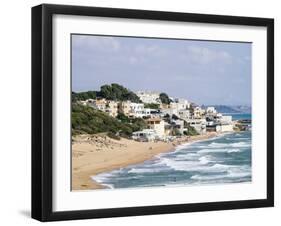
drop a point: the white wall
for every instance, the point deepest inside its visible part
(15, 116)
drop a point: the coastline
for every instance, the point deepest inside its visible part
(95, 154)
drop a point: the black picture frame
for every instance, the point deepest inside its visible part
(42, 111)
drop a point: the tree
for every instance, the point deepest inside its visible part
(110, 92)
(152, 106)
(191, 131)
(164, 98)
(122, 117)
(83, 95)
(118, 93)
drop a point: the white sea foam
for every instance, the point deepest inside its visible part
(145, 170)
(187, 156)
(241, 144)
(224, 145)
(199, 165)
(204, 160)
(102, 179)
(230, 150)
(234, 171)
(239, 138)
(234, 150)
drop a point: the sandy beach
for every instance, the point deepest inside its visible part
(94, 154)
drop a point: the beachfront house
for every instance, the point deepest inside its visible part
(179, 125)
(224, 127)
(198, 124)
(145, 135)
(225, 119)
(156, 124)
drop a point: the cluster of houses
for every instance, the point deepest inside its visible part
(168, 120)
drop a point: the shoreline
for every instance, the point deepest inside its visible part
(96, 154)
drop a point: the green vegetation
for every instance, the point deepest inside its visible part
(118, 93)
(190, 131)
(164, 98)
(86, 120)
(152, 106)
(84, 95)
(110, 92)
(176, 132)
(123, 118)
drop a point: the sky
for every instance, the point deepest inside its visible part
(204, 72)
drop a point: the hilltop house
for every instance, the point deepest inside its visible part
(211, 111)
(149, 97)
(182, 103)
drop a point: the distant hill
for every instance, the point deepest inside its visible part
(232, 109)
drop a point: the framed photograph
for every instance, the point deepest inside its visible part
(145, 112)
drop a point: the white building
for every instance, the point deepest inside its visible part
(198, 112)
(112, 108)
(211, 110)
(99, 104)
(227, 119)
(136, 110)
(170, 111)
(148, 112)
(145, 135)
(125, 107)
(158, 125)
(224, 128)
(198, 124)
(184, 114)
(149, 97)
(182, 103)
(179, 124)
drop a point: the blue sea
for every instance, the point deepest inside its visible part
(239, 116)
(220, 160)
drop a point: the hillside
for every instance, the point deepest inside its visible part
(86, 120)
